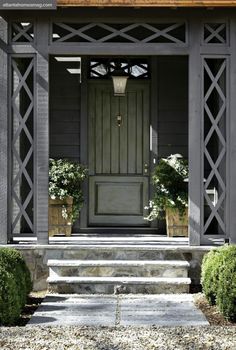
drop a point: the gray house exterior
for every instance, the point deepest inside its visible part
(57, 101)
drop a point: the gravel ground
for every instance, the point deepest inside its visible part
(118, 338)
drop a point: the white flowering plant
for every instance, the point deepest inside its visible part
(169, 180)
(65, 179)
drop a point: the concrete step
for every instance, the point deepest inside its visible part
(117, 268)
(110, 285)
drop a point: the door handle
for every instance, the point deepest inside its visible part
(146, 168)
(119, 120)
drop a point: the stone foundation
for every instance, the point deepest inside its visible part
(37, 256)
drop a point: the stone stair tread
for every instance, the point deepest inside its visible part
(77, 263)
(121, 280)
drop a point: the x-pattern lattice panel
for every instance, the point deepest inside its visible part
(103, 67)
(174, 33)
(215, 33)
(215, 108)
(22, 106)
(22, 32)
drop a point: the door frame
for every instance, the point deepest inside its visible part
(138, 178)
(84, 146)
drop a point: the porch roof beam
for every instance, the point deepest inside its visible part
(105, 49)
(149, 3)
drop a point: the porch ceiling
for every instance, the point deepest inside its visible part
(149, 3)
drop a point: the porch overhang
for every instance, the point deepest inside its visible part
(147, 3)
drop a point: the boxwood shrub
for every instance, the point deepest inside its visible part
(210, 274)
(10, 305)
(226, 293)
(219, 279)
(15, 285)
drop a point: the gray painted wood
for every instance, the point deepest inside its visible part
(139, 132)
(106, 134)
(117, 200)
(131, 129)
(231, 218)
(98, 135)
(83, 219)
(42, 134)
(65, 107)
(195, 137)
(21, 143)
(116, 134)
(154, 127)
(122, 162)
(195, 47)
(172, 105)
(114, 49)
(91, 129)
(215, 163)
(107, 191)
(3, 135)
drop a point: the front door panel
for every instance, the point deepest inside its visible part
(118, 154)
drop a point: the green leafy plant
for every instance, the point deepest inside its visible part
(218, 279)
(65, 179)
(169, 180)
(15, 285)
(210, 274)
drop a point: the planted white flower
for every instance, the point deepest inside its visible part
(65, 178)
(170, 186)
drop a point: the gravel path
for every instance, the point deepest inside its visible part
(118, 338)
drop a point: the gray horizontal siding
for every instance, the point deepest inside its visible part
(69, 152)
(172, 110)
(64, 112)
(172, 107)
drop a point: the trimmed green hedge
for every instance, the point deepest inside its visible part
(15, 285)
(219, 279)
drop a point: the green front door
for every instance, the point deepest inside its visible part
(118, 154)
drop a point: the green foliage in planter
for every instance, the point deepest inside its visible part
(65, 179)
(169, 180)
(15, 285)
(219, 279)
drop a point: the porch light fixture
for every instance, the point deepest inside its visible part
(119, 79)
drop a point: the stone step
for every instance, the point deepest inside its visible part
(110, 285)
(124, 252)
(92, 240)
(117, 268)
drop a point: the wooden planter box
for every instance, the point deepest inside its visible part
(57, 224)
(176, 225)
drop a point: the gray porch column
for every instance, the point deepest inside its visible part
(232, 137)
(195, 134)
(42, 133)
(3, 134)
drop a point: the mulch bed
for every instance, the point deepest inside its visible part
(212, 314)
(33, 302)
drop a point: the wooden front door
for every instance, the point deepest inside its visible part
(118, 154)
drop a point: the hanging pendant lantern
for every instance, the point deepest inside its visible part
(119, 79)
(119, 85)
